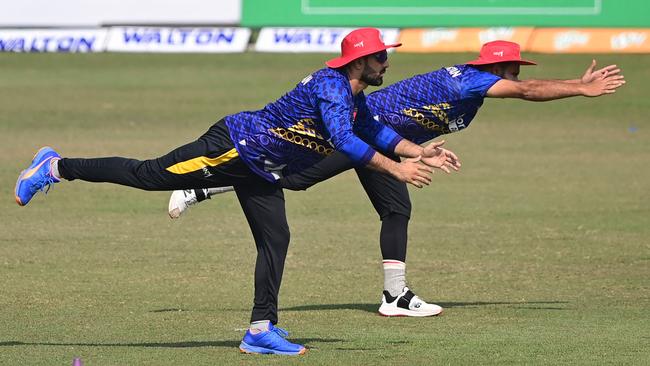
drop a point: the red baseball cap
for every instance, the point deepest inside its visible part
(358, 43)
(500, 51)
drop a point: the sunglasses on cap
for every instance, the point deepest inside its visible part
(381, 56)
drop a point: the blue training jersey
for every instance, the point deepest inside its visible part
(429, 105)
(307, 124)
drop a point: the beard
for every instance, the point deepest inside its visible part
(369, 79)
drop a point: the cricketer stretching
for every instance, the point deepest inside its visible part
(251, 150)
(419, 109)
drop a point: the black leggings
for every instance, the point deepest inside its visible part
(389, 197)
(188, 166)
(210, 161)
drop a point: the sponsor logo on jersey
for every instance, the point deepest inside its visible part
(453, 71)
(457, 124)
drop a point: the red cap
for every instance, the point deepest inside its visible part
(358, 43)
(499, 51)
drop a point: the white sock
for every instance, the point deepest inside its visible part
(394, 276)
(54, 168)
(259, 326)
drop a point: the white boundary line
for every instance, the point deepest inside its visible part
(307, 9)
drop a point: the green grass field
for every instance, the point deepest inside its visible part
(539, 249)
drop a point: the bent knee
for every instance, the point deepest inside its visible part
(393, 212)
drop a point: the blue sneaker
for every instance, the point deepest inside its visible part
(281, 331)
(270, 342)
(37, 177)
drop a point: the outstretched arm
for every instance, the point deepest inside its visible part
(592, 84)
(591, 74)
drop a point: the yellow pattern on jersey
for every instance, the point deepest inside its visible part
(303, 134)
(437, 110)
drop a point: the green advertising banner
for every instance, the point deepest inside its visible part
(446, 13)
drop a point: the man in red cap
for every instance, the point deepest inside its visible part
(420, 109)
(252, 150)
(503, 59)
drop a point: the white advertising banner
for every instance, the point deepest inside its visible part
(173, 40)
(94, 13)
(310, 39)
(52, 40)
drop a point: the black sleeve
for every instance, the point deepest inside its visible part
(332, 165)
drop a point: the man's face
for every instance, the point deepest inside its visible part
(374, 68)
(507, 70)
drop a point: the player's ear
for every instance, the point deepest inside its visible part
(497, 69)
(359, 63)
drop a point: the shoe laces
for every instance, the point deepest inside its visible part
(281, 332)
(44, 184)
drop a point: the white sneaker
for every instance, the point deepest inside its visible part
(181, 200)
(406, 304)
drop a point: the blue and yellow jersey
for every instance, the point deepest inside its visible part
(307, 124)
(429, 105)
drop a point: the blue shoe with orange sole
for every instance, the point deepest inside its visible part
(270, 342)
(37, 177)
